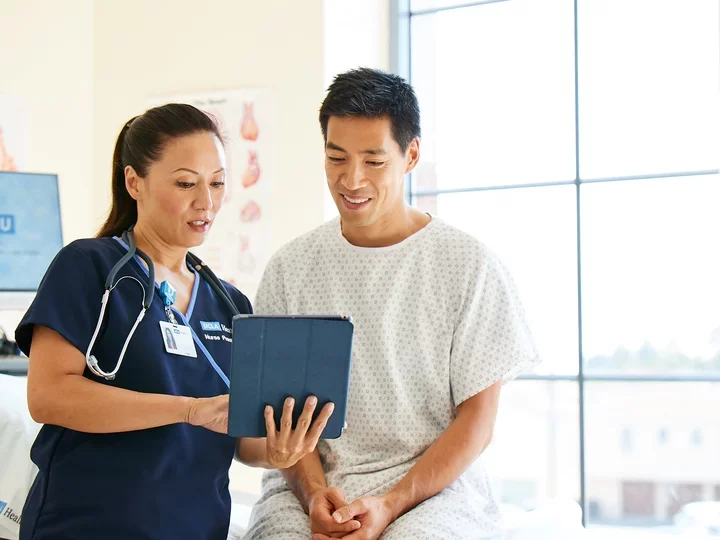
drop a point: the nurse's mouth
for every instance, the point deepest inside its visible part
(200, 226)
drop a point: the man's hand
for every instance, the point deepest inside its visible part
(321, 506)
(373, 513)
(286, 447)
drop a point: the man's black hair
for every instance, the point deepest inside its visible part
(371, 93)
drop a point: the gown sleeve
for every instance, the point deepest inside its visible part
(492, 341)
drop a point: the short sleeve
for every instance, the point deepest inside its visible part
(68, 300)
(270, 298)
(492, 340)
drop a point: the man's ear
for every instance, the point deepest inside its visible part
(412, 155)
(133, 183)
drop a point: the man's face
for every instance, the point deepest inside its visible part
(365, 168)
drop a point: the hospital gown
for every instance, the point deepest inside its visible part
(437, 320)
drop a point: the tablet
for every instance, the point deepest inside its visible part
(276, 357)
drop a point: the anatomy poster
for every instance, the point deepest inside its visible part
(13, 142)
(239, 244)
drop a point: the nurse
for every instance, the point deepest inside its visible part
(134, 442)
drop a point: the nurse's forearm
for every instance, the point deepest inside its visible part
(59, 394)
(305, 478)
(78, 403)
(450, 455)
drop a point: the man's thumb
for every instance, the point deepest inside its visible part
(346, 513)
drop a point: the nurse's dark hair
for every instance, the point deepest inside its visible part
(141, 142)
(371, 93)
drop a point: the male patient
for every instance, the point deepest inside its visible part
(438, 329)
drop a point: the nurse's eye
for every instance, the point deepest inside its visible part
(218, 184)
(185, 185)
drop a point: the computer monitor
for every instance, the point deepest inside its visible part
(30, 234)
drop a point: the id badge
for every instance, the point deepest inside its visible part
(178, 339)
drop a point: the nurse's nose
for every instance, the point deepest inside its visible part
(204, 200)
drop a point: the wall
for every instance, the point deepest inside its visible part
(47, 60)
(146, 49)
(357, 33)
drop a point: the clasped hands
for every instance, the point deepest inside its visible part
(332, 517)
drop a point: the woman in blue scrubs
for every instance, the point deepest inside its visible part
(143, 455)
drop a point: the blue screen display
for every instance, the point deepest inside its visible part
(30, 228)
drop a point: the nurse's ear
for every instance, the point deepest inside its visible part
(134, 183)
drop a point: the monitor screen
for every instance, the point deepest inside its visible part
(30, 228)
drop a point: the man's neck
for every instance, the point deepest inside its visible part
(390, 229)
(161, 253)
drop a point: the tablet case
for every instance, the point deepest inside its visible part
(274, 357)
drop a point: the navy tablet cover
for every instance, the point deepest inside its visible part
(274, 357)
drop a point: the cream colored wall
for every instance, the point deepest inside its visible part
(356, 34)
(157, 48)
(46, 59)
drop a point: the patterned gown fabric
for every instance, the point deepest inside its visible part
(437, 320)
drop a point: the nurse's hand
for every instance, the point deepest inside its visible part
(210, 413)
(286, 447)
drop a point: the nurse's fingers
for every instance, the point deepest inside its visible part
(270, 424)
(286, 422)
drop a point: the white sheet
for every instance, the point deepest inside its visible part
(17, 433)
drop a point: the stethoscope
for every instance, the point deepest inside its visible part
(148, 295)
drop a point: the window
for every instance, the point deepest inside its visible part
(579, 141)
(535, 449)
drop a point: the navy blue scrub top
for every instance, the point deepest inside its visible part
(165, 482)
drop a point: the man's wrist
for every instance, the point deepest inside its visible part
(305, 478)
(312, 488)
(396, 503)
(309, 490)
